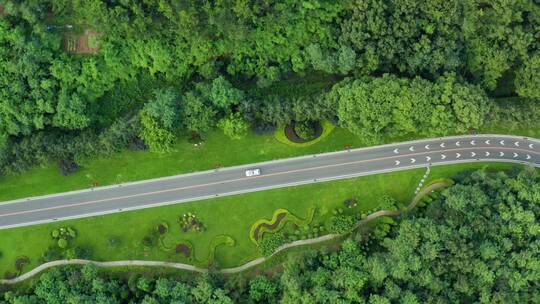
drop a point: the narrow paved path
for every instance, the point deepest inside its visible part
(274, 174)
(232, 270)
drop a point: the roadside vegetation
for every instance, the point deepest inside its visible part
(98, 92)
(459, 238)
(218, 232)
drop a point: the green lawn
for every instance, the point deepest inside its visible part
(131, 166)
(231, 216)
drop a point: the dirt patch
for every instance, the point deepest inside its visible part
(85, 43)
(279, 218)
(184, 249)
(292, 136)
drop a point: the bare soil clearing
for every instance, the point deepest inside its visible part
(85, 43)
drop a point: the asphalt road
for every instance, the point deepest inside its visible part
(274, 174)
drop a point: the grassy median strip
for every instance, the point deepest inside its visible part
(121, 236)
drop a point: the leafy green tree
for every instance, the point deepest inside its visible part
(196, 115)
(234, 126)
(527, 80)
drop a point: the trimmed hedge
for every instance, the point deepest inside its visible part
(289, 217)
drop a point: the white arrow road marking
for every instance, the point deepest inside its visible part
(515, 155)
(397, 162)
(413, 160)
(428, 158)
(487, 142)
(487, 153)
(528, 156)
(516, 143)
(501, 154)
(473, 143)
(442, 145)
(457, 143)
(396, 151)
(502, 142)
(411, 148)
(427, 147)
(531, 146)
(443, 156)
(458, 155)
(473, 154)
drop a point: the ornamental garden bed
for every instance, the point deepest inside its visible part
(292, 135)
(183, 249)
(270, 227)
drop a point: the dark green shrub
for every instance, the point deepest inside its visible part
(270, 243)
(341, 224)
(305, 129)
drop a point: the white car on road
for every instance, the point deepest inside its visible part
(253, 172)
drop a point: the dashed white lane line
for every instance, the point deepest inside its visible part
(458, 155)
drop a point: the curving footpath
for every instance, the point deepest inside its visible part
(275, 174)
(232, 270)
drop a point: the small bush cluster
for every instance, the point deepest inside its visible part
(63, 236)
(304, 232)
(270, 243)
(305, 129)
(350, 202)
(190, 222)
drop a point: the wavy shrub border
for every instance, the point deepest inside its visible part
(289, 217)
(280, 136)
(434, 185)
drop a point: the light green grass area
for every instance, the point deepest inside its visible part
(217, 150)
(232, 216)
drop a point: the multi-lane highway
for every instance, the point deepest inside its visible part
(274, 174)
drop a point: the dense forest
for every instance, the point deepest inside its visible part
(163, 69)
(479, 242)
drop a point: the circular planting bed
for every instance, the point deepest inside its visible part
(291, 132)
